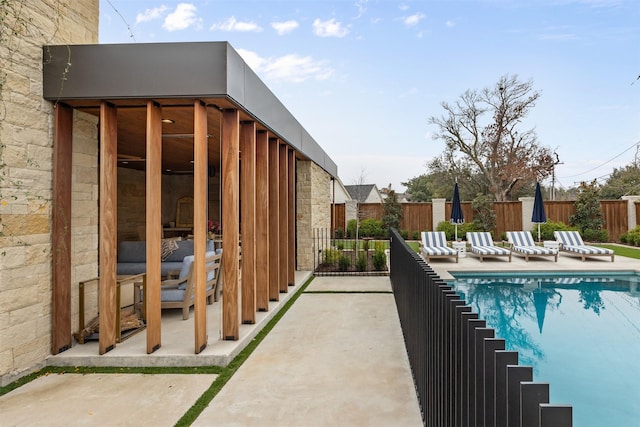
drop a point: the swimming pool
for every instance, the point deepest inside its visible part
(580, 332)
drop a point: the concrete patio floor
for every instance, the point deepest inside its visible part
(337, 357)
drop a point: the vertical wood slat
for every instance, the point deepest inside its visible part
(61, 229)
(230, 239)
(108, 226)
(248, 221)
(153, 225)
(283, 217)
(292, 217)
(200, 199)
(274, 230)
(262, 221)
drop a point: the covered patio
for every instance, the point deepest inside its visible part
(173, 120)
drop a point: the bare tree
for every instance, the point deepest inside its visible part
(482, 129)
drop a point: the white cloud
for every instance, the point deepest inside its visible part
(414, 19)
(151, 14)
(450, 24)
(291, 68)
(181, 18)
(361, 6)
(232, 24)
(284, 27)
(329, 28)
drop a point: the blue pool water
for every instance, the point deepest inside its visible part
(581, 334)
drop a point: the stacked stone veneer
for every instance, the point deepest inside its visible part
(313, 208)
(26, 141)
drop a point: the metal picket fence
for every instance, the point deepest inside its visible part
(462, 373)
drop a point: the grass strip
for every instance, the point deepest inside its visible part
(153, 370)
(227, 372)
(626, 251)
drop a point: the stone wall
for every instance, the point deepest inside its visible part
(313, 208)
(26, 139)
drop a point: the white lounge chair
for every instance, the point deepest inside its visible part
(483, 246)
(434, 245)
(571, 242)
(522, 243)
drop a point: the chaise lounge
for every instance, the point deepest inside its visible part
(434, 245)
(571, 242)
(522, 243)
(482, 245)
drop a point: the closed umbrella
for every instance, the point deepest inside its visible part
(456, 210)
(540, 298)
(538, 216)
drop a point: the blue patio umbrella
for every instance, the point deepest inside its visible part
(456, 210)
(538, 216)
(540, 298)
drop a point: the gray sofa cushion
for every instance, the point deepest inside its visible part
(132, 257)
(131, 251)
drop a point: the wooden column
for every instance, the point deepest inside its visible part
(61, 228)
(291, 169)
(283, 219)
(248, 222)
(262, 221)
(230, 222)
(153, 225)
(108, 226)
(274, 203)
(200, 199)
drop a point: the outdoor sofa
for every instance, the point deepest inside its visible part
(132, 257)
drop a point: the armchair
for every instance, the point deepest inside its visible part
(180, 292)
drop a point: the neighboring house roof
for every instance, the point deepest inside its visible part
(339, 192)
(367, 193)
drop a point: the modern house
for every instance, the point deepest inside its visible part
(102, 143)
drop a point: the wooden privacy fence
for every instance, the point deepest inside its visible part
(462, 373)
(509, 217)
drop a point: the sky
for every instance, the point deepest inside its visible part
(363, 77)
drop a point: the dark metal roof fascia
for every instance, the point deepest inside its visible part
(158, 70)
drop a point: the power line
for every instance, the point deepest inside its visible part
(123, 20)
(608, 161)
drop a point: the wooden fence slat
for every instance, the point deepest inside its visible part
(419, 216)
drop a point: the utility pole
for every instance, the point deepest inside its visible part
(553, 175)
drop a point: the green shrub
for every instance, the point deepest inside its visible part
(371, 228)
(547, 229)
(339, 233)
(484, 217)
(416, 235)
(330, 256)
(595, 235)
(379, 260)
(361, 262)
(632, 237)
(340, 245)
(352, 226)
(450, 231)
(343, 262)
(404, 234)
(365, 245)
